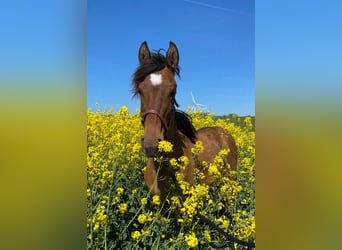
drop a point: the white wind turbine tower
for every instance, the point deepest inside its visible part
(197, 106)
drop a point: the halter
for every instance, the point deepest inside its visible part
(152, 111)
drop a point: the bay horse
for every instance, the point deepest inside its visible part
(154, 81)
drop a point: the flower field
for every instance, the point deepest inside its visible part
(122, 214)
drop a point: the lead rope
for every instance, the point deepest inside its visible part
(213, 226)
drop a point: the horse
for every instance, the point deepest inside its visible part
(154, 81)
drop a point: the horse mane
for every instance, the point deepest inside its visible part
(156, 62)
(183, 123)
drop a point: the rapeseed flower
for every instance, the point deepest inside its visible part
(143, 201)
(175, 200)
(191, 240)
(119, 190)
(135, 235)
(145, 232)
(165, 146)
(142, 218)
(156, 200)
(207, 237)
(122, 208)
(184, 160)
(100, 218)
(174, 162)
(198, 148)
(116, 163)
(115, 200)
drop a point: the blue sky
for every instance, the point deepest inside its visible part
(215, 40)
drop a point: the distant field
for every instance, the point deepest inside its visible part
(237, 120)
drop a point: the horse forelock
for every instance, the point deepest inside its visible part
(155, 63)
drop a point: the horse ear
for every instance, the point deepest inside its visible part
(172, 56)
(144, 53)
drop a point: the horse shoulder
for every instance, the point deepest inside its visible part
(214, 139)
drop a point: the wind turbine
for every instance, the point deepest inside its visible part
(197, 106)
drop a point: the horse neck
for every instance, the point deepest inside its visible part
(177, 138)
(171, 134)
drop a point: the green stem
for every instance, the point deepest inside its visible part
(124, 230)
(107, 212)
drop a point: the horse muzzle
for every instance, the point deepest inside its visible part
(150, 146)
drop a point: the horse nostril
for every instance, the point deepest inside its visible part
(159, 140)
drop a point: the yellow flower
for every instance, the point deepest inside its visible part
(156, 200)
(184, 160)
(189, 207)
(145, 232)
(143, 201)
(135, 235)
(136, 148)
(150, 216)
(173, 162)
(175, 201)
(207, 237)
(115, 200)
(114, 146)
(213, 171)
(225, 224)
(123, 111)
(165, 146)
(119, 190)
(191, 240)
(142, 218)
(99, 218)
(198, 148)
(123, 208)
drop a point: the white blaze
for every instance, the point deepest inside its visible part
(156, 79)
